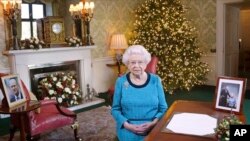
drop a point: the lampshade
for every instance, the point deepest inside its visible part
(118, 42)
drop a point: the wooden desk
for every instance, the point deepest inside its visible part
(185, 106)
(21, 110)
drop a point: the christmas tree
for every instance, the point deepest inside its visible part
(161, 27)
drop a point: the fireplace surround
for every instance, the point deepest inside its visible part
(39, 72)
(22, 60)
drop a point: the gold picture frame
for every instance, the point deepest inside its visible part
(230, 92)
(13, 90)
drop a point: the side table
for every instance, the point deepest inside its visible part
(120, 68)
(21, 110)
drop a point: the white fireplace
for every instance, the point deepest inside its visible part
(21, 60)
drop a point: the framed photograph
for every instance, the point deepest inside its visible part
(13, 90)
(230, 93)
(1, 96)
(19, 108)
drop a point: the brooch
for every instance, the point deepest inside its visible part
(126, 84)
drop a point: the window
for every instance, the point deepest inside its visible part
(30, 12)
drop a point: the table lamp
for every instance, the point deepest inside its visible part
(118, 43)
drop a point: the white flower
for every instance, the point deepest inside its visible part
(49, 85)
(71, 102)
(64, 78)
(73, 41)
(60, 100)
(54, 78)
(51, 92)
(32, 43)
(67, 90)
(59, 84)
(74, 97)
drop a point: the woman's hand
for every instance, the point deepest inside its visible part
(133, 127)
(142, 128)
(149, 125)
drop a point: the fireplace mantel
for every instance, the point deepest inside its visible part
(21, 60)
(44, 50)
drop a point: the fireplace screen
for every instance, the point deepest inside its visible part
(60, 81)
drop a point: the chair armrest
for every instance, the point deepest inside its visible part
(63, 110)
(66, 112)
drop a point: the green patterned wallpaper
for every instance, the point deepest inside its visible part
(112, 16)
(117, 16)
(202, 13)
(3, 59)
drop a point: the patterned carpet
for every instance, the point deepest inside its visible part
(95, 125)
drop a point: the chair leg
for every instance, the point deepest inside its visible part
(33, 138)
(75, 126)
(12, 132)
(110, 96)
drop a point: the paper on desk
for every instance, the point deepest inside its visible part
(192, 124)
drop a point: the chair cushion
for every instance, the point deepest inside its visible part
(49, 119)
(152, 65)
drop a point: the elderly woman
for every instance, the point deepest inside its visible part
(139, 100)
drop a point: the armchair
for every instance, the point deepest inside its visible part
(151, 68)
(48, 117)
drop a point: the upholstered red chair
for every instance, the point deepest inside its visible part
(151, 68)
(48, 117)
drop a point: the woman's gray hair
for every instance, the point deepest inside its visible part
(136, 49)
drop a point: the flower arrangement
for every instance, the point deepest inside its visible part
(32, 43)
(61, 86)
(73, 41)
(222, 130)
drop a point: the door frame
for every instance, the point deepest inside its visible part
(220, 34)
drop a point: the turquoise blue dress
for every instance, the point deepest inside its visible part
(137, 104)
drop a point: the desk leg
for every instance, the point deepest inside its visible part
(22, 128)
